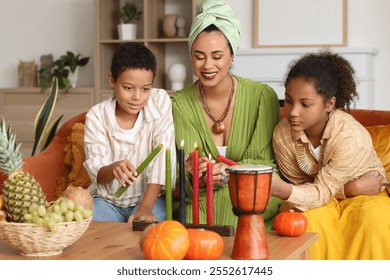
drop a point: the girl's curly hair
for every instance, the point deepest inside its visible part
(331, 74)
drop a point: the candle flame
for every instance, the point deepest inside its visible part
(182, 143)
(195, 145)
(209, 156)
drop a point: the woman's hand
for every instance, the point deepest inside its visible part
(220, 176)
(368, 184)
(190, 167)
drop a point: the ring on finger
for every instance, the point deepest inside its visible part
(223, 179)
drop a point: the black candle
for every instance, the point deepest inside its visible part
(182, 213)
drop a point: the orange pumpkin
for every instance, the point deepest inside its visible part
(204, 245)
(290, 223)
(168, 240)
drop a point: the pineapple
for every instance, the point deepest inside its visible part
(20, 189)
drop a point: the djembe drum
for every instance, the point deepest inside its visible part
(249, 187)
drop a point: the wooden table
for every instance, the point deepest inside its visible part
(117, 241)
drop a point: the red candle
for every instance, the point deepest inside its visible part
(226, 160)
(195, 186)
(210, 193)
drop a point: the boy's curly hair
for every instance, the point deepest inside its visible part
(132, 55)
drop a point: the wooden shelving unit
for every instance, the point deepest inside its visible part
(149, 32)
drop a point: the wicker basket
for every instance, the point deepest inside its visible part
(38, 241)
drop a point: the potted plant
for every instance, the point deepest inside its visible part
(66, 69)
(128, 13)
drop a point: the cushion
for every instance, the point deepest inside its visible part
(74, 158)
(380, 135)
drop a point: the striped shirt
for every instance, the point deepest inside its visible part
(346, 154)
(106, 142)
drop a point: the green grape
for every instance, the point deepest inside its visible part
(80, 207)
(63, 207)
(52, 225)
(87, 213)
(41, 210)
(38, 221)
(69, 216)
(78, 216)
(57, 209)
(71, 204)
(56, 217)
(61, 219)
(32, 208)
(27, 217)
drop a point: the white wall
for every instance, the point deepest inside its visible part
(368, 27)
(29, 29)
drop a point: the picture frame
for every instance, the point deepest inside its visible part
(300, 23)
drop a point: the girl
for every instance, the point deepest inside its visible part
(333, 172)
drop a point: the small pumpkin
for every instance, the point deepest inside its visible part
(290, 223)
(167, 240)
(204, 245)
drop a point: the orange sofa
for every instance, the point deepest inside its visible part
(49, 165)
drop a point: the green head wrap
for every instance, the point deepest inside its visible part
(219, 13)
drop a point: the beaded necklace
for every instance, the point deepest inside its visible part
(218, 126)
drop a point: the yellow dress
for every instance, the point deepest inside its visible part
(351, 229)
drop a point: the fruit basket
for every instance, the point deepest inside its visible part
(38, 241)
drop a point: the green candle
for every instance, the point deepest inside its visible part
(140, 168)
(168, 185)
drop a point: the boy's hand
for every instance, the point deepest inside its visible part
(142, 215)
(124, 172)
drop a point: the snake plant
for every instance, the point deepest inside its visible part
(44, 133)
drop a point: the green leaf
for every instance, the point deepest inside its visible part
(83, 61)
(50, 133)
(44, 115)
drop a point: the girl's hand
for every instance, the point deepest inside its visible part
(279, 187)
(124, 172)
(368, 184)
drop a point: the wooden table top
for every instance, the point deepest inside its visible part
(117, 241)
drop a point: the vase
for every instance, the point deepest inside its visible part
(169, 25)
(177, 74)
(73, 77)
(127, 31)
